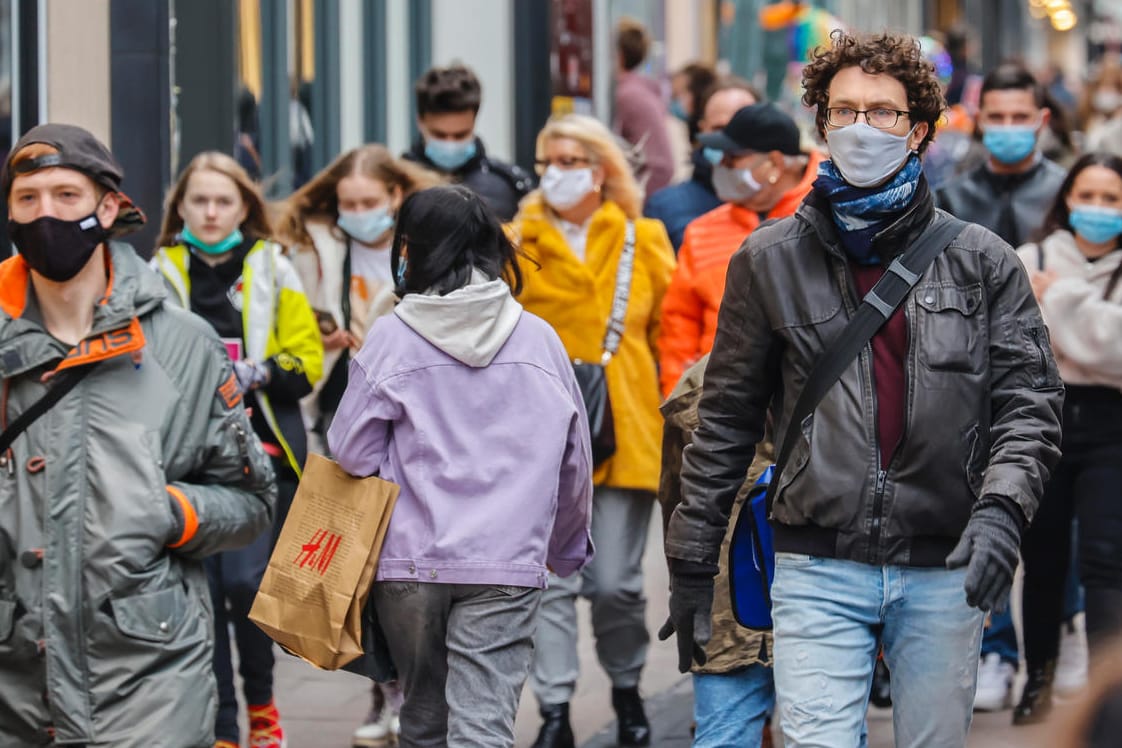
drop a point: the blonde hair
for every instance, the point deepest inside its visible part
(318, 198)
(619, 183)
(256, 223)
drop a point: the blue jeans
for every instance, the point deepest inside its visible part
(1001, 637)
(830, 615)
(730, 709)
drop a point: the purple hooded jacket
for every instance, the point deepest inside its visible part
(469, 403)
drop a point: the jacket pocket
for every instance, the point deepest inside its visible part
(800, 456)
(7, 619)
(949, 327)
(151, 616)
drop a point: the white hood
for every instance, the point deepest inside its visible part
(470, 324)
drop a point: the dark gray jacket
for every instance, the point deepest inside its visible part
(1013, 206)
(982, 404)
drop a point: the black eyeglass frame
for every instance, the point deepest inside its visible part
(857, 112)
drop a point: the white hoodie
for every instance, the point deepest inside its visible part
(470, 324)
(1084, 327)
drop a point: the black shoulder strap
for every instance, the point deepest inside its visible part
(614, 333)
(63, 383)
(877, 306)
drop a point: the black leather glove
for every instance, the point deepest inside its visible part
(691, 604)
(988, 549)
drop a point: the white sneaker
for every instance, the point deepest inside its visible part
(995, 684)
(1071, 667)
(377, 732)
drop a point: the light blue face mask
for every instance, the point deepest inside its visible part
(678, 110)
(1010, 144)
(402, 263)
(1095, 223)
(365, 225)
(232, 240)
(713, 155)
(450, 155)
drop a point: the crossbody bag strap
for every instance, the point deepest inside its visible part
(875, 309)
(62, 383)
(624, 270)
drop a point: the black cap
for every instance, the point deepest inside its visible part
(77, 149)
(761, 128)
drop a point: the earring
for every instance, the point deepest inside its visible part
(773, 178)
(596, 188)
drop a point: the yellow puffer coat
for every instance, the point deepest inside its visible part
(575, 297)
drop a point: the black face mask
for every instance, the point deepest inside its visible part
(57, 249)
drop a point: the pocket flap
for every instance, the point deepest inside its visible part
(965, 300)
(151, 616)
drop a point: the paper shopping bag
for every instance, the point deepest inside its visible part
(315, 587)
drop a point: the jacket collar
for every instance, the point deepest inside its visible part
(890, 241)
(133, 292)
(417, 153)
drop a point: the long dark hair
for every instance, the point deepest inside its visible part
(1059, 217)
(446, 232)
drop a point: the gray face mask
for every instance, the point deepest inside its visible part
(866, 156)
(734, 185)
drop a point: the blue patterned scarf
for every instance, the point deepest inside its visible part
(860, 213)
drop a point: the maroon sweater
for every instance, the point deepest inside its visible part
(890, 351)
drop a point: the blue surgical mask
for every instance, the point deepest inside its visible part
(678, 110)
(402, 263)
(232, 240)
(1010, 144)
(450, 155)
(1095, 223)
(365, 225)
(713, 155)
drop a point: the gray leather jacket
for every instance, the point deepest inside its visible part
(982, 404)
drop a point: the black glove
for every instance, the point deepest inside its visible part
(691, 603)
(988, 548)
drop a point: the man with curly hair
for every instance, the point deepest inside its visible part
(898, 518)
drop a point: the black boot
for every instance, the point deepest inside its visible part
(556, 731)
(1036, 699)
(881, 695)
(633, 726)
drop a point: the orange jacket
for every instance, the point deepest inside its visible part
(689, 310)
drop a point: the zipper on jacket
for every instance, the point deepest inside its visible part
(865, 358)
(243, 448)
(1040, 359)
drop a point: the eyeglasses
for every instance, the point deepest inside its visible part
(880, 118)
(565, 162)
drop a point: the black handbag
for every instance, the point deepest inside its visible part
(591, 376)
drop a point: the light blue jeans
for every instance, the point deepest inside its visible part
(730, 709)
(828, 615)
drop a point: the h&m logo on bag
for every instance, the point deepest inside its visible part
(318, 552)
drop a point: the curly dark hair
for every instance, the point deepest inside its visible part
(896, 55)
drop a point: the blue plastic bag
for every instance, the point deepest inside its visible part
(752, 559)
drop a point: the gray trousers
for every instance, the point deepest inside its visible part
(462, 652)
(613, 583)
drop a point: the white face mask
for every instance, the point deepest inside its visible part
(564, 188)
(866, 156)
(1106, 100)
(734, 185)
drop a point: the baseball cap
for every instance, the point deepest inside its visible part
(758, 127)
(76, 148)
